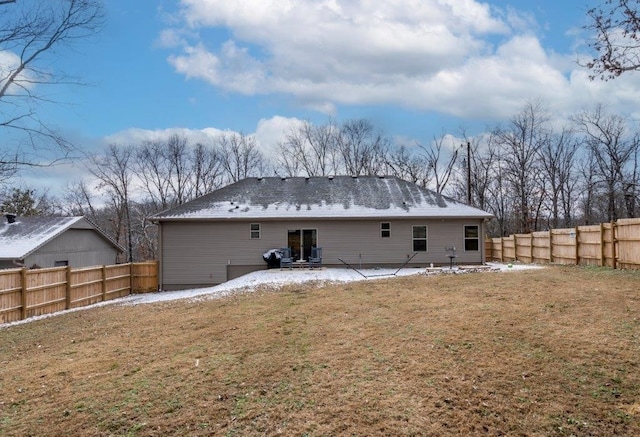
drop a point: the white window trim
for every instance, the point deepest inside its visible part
(251, 231)
(426, 237)
(464, 238)
(383, 230)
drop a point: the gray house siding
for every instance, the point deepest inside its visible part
(78, 247)
(201, 253)
(4, 264)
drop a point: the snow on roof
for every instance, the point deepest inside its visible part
(322, 197)
(18, 240)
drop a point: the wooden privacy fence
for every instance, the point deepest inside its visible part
(26, 293)
(615, 245)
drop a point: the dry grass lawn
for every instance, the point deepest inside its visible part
(533, 353)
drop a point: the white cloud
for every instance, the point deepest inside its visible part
(268, 133)
(317, 50)
(272, 131)
(460, 57)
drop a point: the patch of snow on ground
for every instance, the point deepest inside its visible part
(272, 278)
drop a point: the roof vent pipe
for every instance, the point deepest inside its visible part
(11, 218)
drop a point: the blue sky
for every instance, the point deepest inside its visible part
(415, 68)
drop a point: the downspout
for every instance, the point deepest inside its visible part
(483, 253)
(159, 256)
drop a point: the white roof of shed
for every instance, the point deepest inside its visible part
(27, 234)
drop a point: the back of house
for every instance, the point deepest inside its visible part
(364, 221)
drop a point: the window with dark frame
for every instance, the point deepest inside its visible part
(385, 229)
(255, 231)
(419, 238)
(471, 238)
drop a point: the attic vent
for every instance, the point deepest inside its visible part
(11, 218)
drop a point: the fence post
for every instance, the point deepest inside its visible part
(577, 230)
(501, 249)
(602, 259)
(613, 245)
(531, 242)
(68, 288)
(550, 245)
(23, 294)
(130, 278)
(104, 283)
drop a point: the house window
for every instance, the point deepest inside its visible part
(385, 229)
(61, 263)
(420, 238)
(471, 238)
(255, 231)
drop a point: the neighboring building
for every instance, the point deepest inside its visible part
(39, 242)
(366, 221)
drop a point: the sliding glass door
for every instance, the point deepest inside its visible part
(301, 241)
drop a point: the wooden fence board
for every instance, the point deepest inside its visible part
(26, 293)
(508, 248)
(588, 240)
(628, 243)
(118, 281)
(46, 291)
(496, 249)
(523, 248)
(615, 245)
(86, 286)
(144, 277)
(541, 246)
(10, 295)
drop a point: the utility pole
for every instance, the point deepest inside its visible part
(468, 173)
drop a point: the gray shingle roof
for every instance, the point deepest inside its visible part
(321, 197)
(18, 240)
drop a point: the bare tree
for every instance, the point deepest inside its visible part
(613, 149)
(153, 170)
(239, 156)
(31, 34)
(589, 198)
(484, 155)
(114, 173)
(558, 161)
(178, 154)
(310, 150)
(362, 148)
(441, 159)
(402, 163)
(206, 165)
(616, 24)
(79, 200)
(521, 141)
